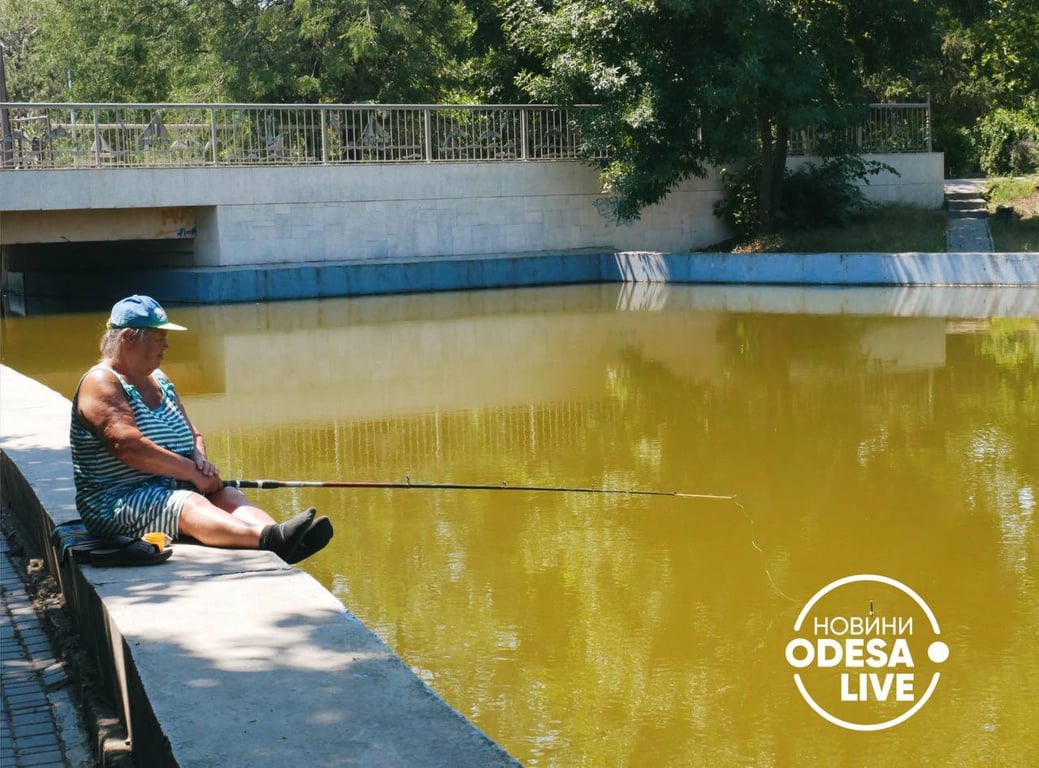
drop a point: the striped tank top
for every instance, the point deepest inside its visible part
(102, 480)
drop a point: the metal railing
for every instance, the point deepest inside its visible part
(184, 135)
(892, 128)
(56, 135)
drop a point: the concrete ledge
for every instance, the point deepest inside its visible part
(222, 657)
(218, 285)
(866, 269)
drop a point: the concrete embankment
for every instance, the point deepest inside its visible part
(222, 285)
(222, 657)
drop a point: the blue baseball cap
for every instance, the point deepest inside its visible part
(141, 312)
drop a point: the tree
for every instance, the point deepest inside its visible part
(346, 51)
(982, 79)
(682, 84)
(19, 24)
(494, 61)
(1000, 56)
(251, 50)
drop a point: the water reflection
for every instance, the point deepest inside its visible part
(864, 431)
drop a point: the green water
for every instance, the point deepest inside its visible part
(863, 432)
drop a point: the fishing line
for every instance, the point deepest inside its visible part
(764, 557)
(408, 484)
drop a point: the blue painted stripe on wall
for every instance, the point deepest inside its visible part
(206, 285)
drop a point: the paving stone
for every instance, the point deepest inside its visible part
(42, 759)
(23, 730)
(15, 689)
(54, 675)
(34, 717)
(35, 743)
(967, 234)
(27, 700)
(28, 731)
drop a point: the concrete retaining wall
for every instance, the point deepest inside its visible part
(224, 657)
(264, 216)
(919, 178)
(367, 277)
(271, 215)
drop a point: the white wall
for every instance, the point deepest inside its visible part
(269, 215)
(423, 211)
(920, 179)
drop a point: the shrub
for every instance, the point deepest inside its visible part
(738, 206)
(1008, 141)
(1024, 157)
(961, 154)
(813, 195)
(820, 195)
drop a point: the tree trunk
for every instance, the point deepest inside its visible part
(779, 154)
(765, 183)
(775, 141)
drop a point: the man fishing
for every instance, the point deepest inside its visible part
(139, 463)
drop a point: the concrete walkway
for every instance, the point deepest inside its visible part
(40, 725)
(219, 657)
(968, 217)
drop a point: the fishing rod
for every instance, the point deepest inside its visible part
(408, 484)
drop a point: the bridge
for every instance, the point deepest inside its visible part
(92, 195)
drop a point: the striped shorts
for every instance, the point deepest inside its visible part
(139, 509)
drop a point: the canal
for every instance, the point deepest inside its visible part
(862, 431)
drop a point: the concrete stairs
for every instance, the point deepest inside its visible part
(967, 208)
(966, 205)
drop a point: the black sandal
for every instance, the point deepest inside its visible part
(127, 551)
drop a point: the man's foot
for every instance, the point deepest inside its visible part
(283, 538)
(313, 540)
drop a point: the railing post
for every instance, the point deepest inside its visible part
(927, 119)
(427, 135)
(212, 132)
(97, 140)
(523, 133)
(324, 139)
(6, 134)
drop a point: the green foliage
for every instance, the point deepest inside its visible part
(875, 228)
(494, 63)
(637, 61)
(738, 206)
(19, 22)
(250, 50)
(827, 193)
(1008, 190)
(682, 84)
(957, 144)
(1015, 201)
(1009, 50)
(687, 83)
(814, 195)
(1012, 234)
(987, 62)
(824, 194)
(105, 50)
(1008, 141)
